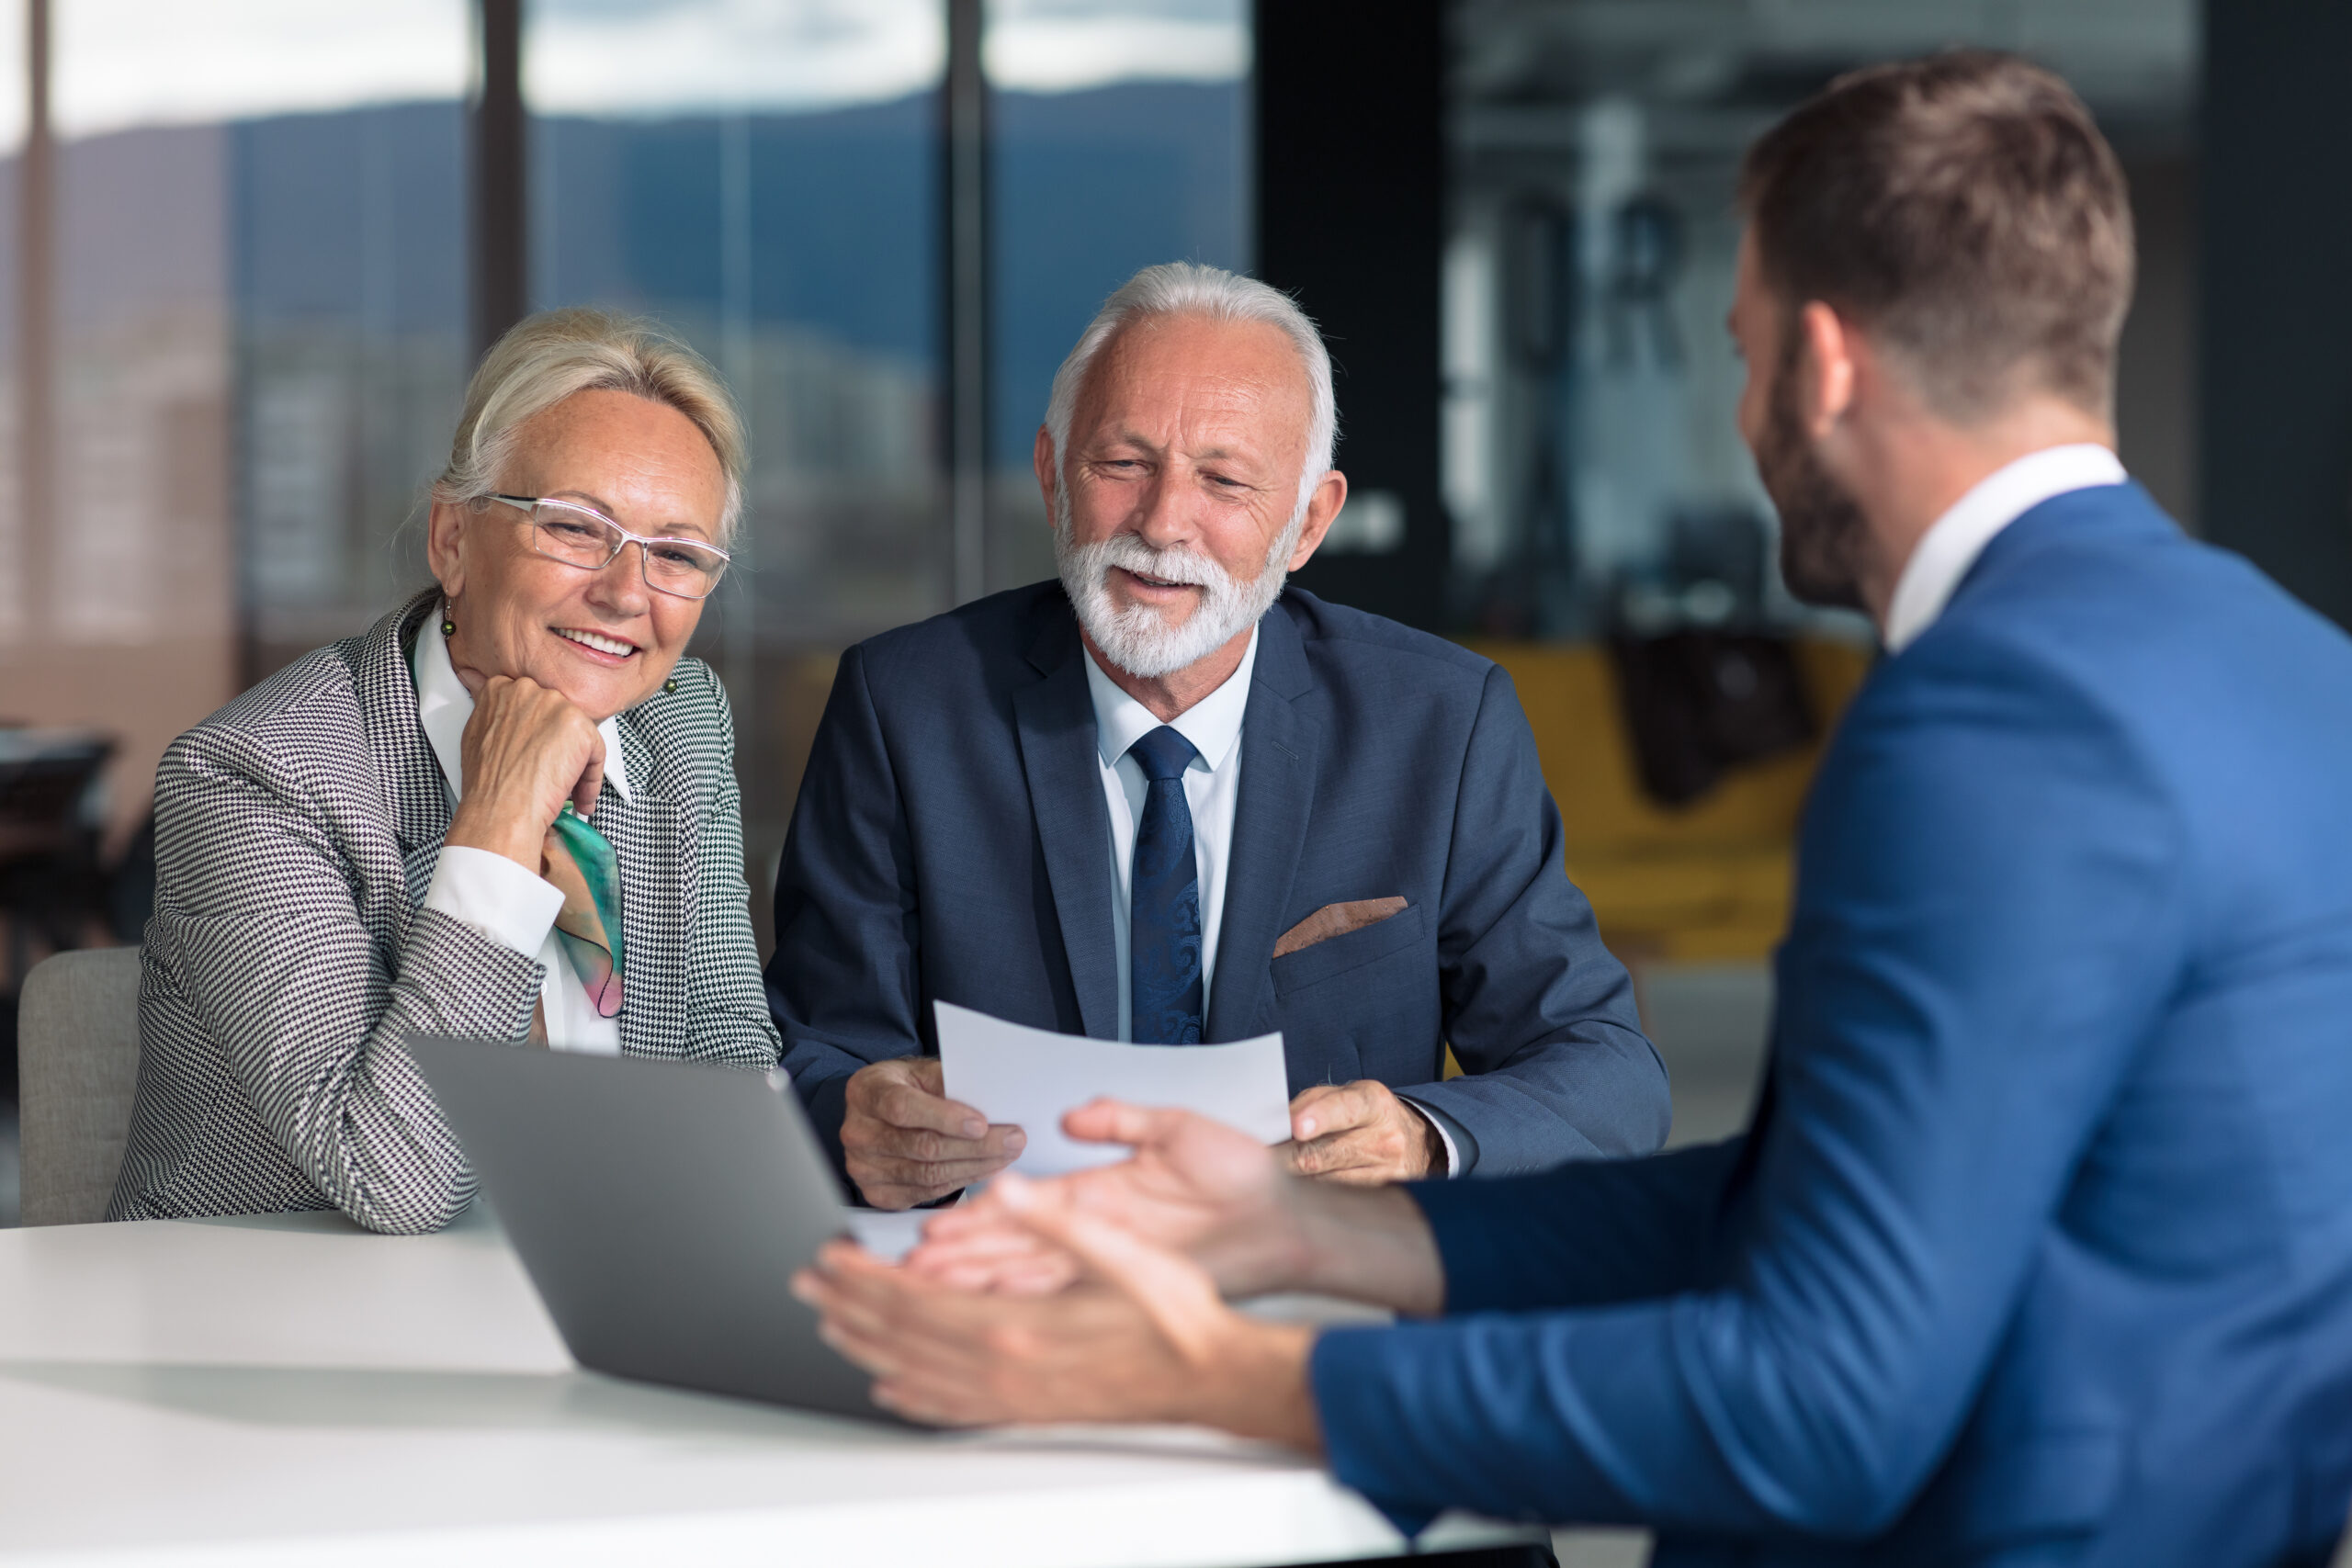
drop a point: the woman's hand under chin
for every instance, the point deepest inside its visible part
(528, 750)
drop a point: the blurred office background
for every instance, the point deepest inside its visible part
(248, 251)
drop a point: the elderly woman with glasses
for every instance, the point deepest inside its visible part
(508, 811)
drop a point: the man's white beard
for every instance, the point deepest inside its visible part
(1136, 638)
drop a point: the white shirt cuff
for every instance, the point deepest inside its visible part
(512, 906)
(1453, 1154)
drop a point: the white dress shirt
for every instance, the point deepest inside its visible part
(1212, 788)
(512, 907)
(1952, 543)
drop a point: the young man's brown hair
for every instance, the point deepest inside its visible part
(1964, 211)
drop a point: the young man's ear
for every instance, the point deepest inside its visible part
(1826, 370)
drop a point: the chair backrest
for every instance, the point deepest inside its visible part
(50, 785)
(77, 1053)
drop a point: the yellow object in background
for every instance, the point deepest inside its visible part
(1706, 883)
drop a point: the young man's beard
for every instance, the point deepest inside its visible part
(1822, 531)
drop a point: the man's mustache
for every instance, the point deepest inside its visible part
(1131, 554)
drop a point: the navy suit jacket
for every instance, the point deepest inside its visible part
(951, 843)
(2041, 1249)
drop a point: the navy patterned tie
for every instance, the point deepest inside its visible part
(1164, 903)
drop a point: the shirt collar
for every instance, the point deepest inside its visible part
(443, 706)
(1952, 545)
(1212, 725)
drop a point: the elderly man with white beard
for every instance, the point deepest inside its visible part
(1167, 800)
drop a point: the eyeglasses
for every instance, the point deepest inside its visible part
(582, 537)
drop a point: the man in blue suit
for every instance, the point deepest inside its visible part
(2040, 1247)
(1163, 800)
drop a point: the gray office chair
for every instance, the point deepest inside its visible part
(77, 1056)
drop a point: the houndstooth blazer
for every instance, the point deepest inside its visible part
(296, 832)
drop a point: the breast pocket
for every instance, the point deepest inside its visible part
(1346, 955)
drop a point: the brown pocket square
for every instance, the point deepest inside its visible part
(1336, 920)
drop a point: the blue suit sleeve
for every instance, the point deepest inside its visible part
(1590, 1232)
(1989, 916)
(1539, 1012)
(842, 982)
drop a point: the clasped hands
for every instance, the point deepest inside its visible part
(1101, 1295)
(904, 1143)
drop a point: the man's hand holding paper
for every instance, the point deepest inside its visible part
(906, 1142)
(1363, 1133)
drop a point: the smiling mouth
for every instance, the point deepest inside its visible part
(597, 641)
(1150, 582)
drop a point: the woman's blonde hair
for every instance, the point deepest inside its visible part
(545, 358)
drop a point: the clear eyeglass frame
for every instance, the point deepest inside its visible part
(689, 558)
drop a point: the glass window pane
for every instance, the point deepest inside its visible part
(16, 552)
(350, 285)
(763, 179)
(1121, 139)
(258, 315)
(1594, 474)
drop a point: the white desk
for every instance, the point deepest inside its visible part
(292, 1390)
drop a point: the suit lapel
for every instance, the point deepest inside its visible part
(415, 796)
(1055, 717)
(1281, 749)
(646, 832)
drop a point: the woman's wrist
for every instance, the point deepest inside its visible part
(509, 833)
(511, 905)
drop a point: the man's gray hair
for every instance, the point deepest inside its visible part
(545, 358)
(1189, 288)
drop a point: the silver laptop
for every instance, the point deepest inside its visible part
(660, 1209)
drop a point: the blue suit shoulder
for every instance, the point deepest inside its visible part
(1336, 635)
(996, 631)
(2102, 574)
(2097, 597)
(2201, 664)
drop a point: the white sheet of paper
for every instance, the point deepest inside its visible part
(1009, 1072)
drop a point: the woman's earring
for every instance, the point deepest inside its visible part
(448, 626)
